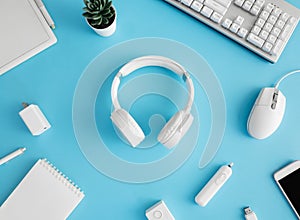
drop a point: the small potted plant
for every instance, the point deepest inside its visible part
(101, 16)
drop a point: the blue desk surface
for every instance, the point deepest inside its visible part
(50, 78)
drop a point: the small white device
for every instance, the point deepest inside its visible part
(263, 26)
(288, 180)
(159, 211)
(268, 111)
(265, 118)
(175, 128)
(213, 185)
(249, 214)
(34, 119)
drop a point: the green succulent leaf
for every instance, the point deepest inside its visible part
(85, 2)
(99, 21)
(105, 20)
(106, 12)
(88, 15)
(85, 9)
(96, 17)
(110, 16)
(101, 3)
(108, 5)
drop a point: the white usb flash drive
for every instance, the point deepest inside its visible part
(214, 184)
(249, 214)
(34, 119)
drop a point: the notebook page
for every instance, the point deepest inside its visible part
(44, 193)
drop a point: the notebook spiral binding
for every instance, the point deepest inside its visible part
(61, 177)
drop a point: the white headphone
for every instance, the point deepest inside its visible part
(175, 128)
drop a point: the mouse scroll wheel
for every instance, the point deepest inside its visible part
(275, 97)
(274, 101)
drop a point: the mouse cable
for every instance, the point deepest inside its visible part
(285, 76)
(249, 214)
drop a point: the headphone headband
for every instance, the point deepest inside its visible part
(145, 61)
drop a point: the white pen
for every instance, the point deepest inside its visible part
(12, 155)
(45, 13)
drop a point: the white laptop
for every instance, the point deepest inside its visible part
(24, 32)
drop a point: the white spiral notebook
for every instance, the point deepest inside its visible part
(43, 194)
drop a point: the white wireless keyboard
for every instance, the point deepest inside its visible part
(263, 26)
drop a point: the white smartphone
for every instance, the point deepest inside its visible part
(288, 180)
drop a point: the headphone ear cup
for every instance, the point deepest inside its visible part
(175, 129)
(128, 127)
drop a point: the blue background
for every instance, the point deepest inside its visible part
(49, 79)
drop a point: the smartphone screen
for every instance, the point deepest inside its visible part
(291, 186)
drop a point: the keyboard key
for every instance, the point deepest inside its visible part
(226, 23)
(206, 11)
(269, 7)
(247, 5)
(264, 15)
(285, 32)
(225, 3)
(271, 39)
(284, 16)
(259, 3)
(255, 40)
(242, 32)
(187, 2)
(267, 47)
(268, 27)
(272, 19)
(264, 35)
(239, 20)
(234, 28)
(255, 30)
(239, 2)
(255, 10)
(276, 12)
(279, 24)
(216, 17)
(215, 6)
(196, 5)
(277, 48)
(275, 31)
(260, 22)
(292, 20)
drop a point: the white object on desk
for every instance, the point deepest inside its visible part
(159, 211)
(264, 27)
(34, 119)
(249, 214)
(213, 185)
(44, 193)
(24, 32)
(268, 110)
(12, 155)
(267, 113)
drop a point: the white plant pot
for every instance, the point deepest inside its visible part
(108, 31)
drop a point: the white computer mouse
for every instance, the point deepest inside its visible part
(267, 113)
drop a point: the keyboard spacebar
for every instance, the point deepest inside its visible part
(215, 6)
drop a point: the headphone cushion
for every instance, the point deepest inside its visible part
(175, 129)
(128, 126)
